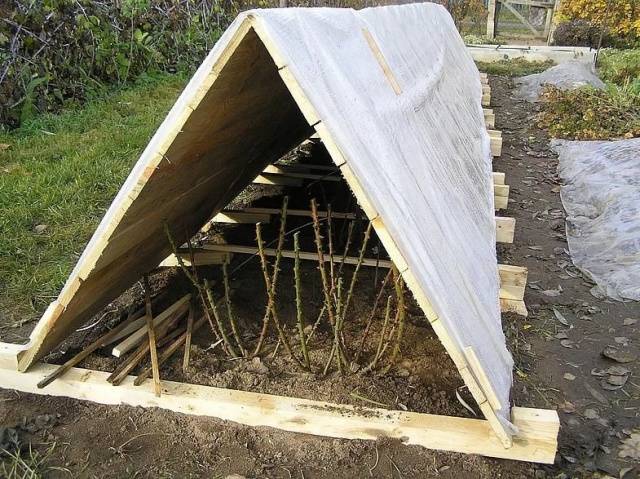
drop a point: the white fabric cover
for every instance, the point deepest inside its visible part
(422, 157)
(601, 195)
(566, 76)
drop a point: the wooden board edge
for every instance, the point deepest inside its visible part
(536, 441)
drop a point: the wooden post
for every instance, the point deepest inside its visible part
(152, 337)
(551, 22)
(491, 19)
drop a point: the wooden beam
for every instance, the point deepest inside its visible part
(276, 180)
(181, 305)
(513, 278)
(535, 442)
(491, 19)
(277, 171)
(200, 257)
(234, 217)
(505, 229)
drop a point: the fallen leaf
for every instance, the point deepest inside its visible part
(535, 248)
(598, 396)
(569, 376)
(560, 317)
(551, 292)
(630, 447)
(591, 414)
(629, 321)
(39, 229)
(618, 371)
(617, 380)
(621, 340)
(567, 407)
(618, 355)
(567, 343)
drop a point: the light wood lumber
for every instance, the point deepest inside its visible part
(136, 337)
(200, 258)
(276, 180)
(505, 229)
(275, 170)
(536, 442)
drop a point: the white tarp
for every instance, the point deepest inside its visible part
(422, 156)
(601, 195)
(566, 76)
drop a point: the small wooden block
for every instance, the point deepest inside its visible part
(505, 229)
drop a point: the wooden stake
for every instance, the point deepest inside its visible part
(167, 353)
(98, 343)
(187, 344)
(152, 337)
(299, 315)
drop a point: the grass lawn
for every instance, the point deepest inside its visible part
(58, 175)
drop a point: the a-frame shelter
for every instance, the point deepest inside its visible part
(396, 100)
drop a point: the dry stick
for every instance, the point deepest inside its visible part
(317, 322)
(323, 275)
(299, 315)
(230, 315)
(365, 334)
(98, 343)
(378, 354)
(401, 320)
(152, 336)
(167, 353)
(187, 344)
(271, 300)
(265, 270)
(194, 281)
(216, 316)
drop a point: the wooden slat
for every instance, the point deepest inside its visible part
(513, 278)
(489, 118)
(278, 171)
(276, 180)
(505, 229)
(201, 258)
(536, 442)
(234, 217)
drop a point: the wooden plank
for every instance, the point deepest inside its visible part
(513, 306)
(486, 99)
(513, 278)
(489, 118)
(498, 178)
(273, 170)
(276, 180)
(505, 229)
(536, 442)
(501, 202)
(491, 19)
(501, 190)
(200, 257)
(496, 142)
(379, 56)
(294, 212)
(136, 337)
(235, 217)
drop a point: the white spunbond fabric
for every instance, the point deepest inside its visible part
(422, 156)
(601, 195)
(566, 76)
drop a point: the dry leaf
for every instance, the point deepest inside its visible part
(630, 447)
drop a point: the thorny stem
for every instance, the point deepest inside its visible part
(230, 315)
(336, 332)
(346, 247)
(323, 273)
(399, 285)
(192, 278)
(378, 354)
(365, 334)
(271, 306)
(299, 315)
(216, 316)
(354, 277)
(265, 271)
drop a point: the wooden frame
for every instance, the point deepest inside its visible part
(545, 34)
(536, 438)
(536, 442)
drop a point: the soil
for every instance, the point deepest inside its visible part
(89, 440)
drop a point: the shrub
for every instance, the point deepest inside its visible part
(619, 17)
(580, 33)
(621, 67)
(590, 114)
(55, 53)
(513, 68)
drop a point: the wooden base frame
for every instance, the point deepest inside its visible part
(536, 441)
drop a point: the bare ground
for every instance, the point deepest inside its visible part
(98, 441)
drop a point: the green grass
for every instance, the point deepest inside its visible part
(63, 171)
(513, 68)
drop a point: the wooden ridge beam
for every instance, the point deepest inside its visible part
(535, 442)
